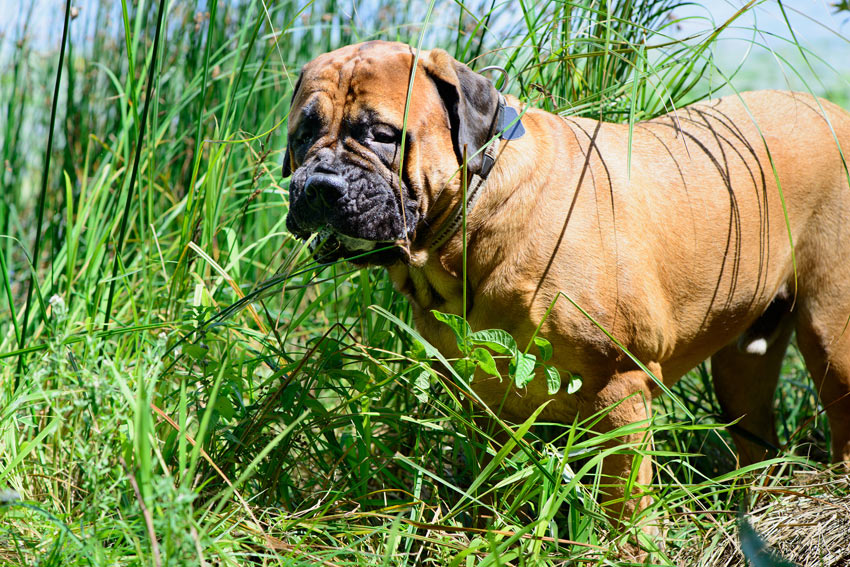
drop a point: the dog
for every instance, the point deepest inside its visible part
(715, 231)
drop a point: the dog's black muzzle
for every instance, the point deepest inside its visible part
(357, 212)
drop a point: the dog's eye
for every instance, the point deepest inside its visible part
(310, 128)
(384, 134)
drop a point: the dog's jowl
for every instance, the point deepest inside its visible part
(682, 251)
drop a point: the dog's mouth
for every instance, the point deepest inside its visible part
(328, 245)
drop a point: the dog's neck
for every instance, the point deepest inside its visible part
(432, 280)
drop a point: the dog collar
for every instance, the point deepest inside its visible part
(508, 126)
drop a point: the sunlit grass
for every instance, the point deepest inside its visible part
(235, 402)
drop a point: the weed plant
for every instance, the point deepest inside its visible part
(180, 384)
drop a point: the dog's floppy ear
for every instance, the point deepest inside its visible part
(287, 167)
(471, 101)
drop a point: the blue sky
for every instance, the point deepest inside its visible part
(808, 17)
(814, 24)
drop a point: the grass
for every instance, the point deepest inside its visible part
(185, 386)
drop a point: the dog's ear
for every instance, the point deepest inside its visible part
(286, 170)
(471, 101)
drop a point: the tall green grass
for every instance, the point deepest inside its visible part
(184, 385)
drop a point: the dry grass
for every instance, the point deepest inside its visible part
(807, 522)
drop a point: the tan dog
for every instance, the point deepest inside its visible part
(682, 257)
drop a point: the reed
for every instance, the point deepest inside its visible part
(194, 389)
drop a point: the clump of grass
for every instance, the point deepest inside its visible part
(804, 522)
(234, 401)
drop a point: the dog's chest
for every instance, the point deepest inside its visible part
(429, 288)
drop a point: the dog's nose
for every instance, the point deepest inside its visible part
(328, 187)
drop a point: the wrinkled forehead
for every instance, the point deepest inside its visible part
(368, 79)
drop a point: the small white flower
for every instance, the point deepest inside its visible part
(9, 496)
(58, 308)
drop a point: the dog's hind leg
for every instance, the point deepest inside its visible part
(745, 380)
(823, 336)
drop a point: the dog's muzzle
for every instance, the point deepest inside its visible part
(353, 210)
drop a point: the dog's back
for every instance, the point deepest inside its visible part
(688, 226)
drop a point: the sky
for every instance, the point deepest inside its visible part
(815, 25)
(808, 17)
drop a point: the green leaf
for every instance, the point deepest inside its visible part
(198, 352)
(381, 338)
(465, 367)
(497, 340)
(553, 379)
(574, 383)
(417, 351)
(358, 379)
(522, 368)
(458, 325)
(315, 406)
(422, 385)
(485, 361)
(224, 407)
(545, 348)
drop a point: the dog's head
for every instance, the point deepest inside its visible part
(350, 181)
